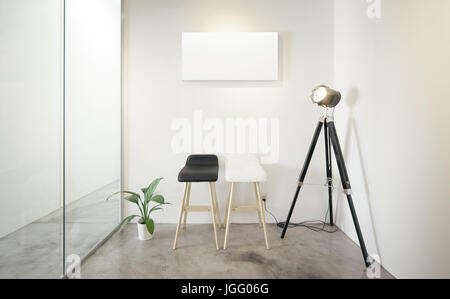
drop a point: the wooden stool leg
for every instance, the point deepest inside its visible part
(226, 209)
(175, 243)
(188, 197)
(229, 209)
(262, 214)
(214, 214)
(257, 202)
(217, 206)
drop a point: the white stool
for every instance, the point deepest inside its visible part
(244, 169)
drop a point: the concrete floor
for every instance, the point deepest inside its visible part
(35, 251)
(302, 254)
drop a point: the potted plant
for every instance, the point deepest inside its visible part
(145, 224)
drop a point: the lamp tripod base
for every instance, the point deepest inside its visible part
(331, 141)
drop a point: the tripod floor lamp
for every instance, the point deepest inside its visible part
(328, 98)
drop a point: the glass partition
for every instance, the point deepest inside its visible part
(30, 134)
(92, 122)
(60, 132)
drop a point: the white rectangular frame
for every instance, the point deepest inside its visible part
(230, 56)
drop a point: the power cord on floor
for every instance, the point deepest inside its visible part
(317, 225)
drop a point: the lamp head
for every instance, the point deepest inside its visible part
(324, 96)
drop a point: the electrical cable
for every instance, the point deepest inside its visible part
(314, 225)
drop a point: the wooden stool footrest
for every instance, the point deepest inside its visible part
(198, 208)
(245, 208)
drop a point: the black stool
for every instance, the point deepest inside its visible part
(199, 168)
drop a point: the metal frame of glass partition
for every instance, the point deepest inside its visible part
(63, 141)
(63, 145)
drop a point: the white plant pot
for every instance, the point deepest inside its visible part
(143, 233)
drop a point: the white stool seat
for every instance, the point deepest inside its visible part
(244, 168)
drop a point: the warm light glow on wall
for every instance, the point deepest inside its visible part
(229, 22)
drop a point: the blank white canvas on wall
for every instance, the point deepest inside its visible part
(230, 56)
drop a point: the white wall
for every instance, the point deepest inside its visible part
(93, 95)
(154, 95)
(394, 74)
(30, 111)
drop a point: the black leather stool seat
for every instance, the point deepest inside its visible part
(200, 168)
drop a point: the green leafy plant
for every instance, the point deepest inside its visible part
(145, 207)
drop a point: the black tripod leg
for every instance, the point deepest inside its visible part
(303, 174)
(347, 188)
(329, 172)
